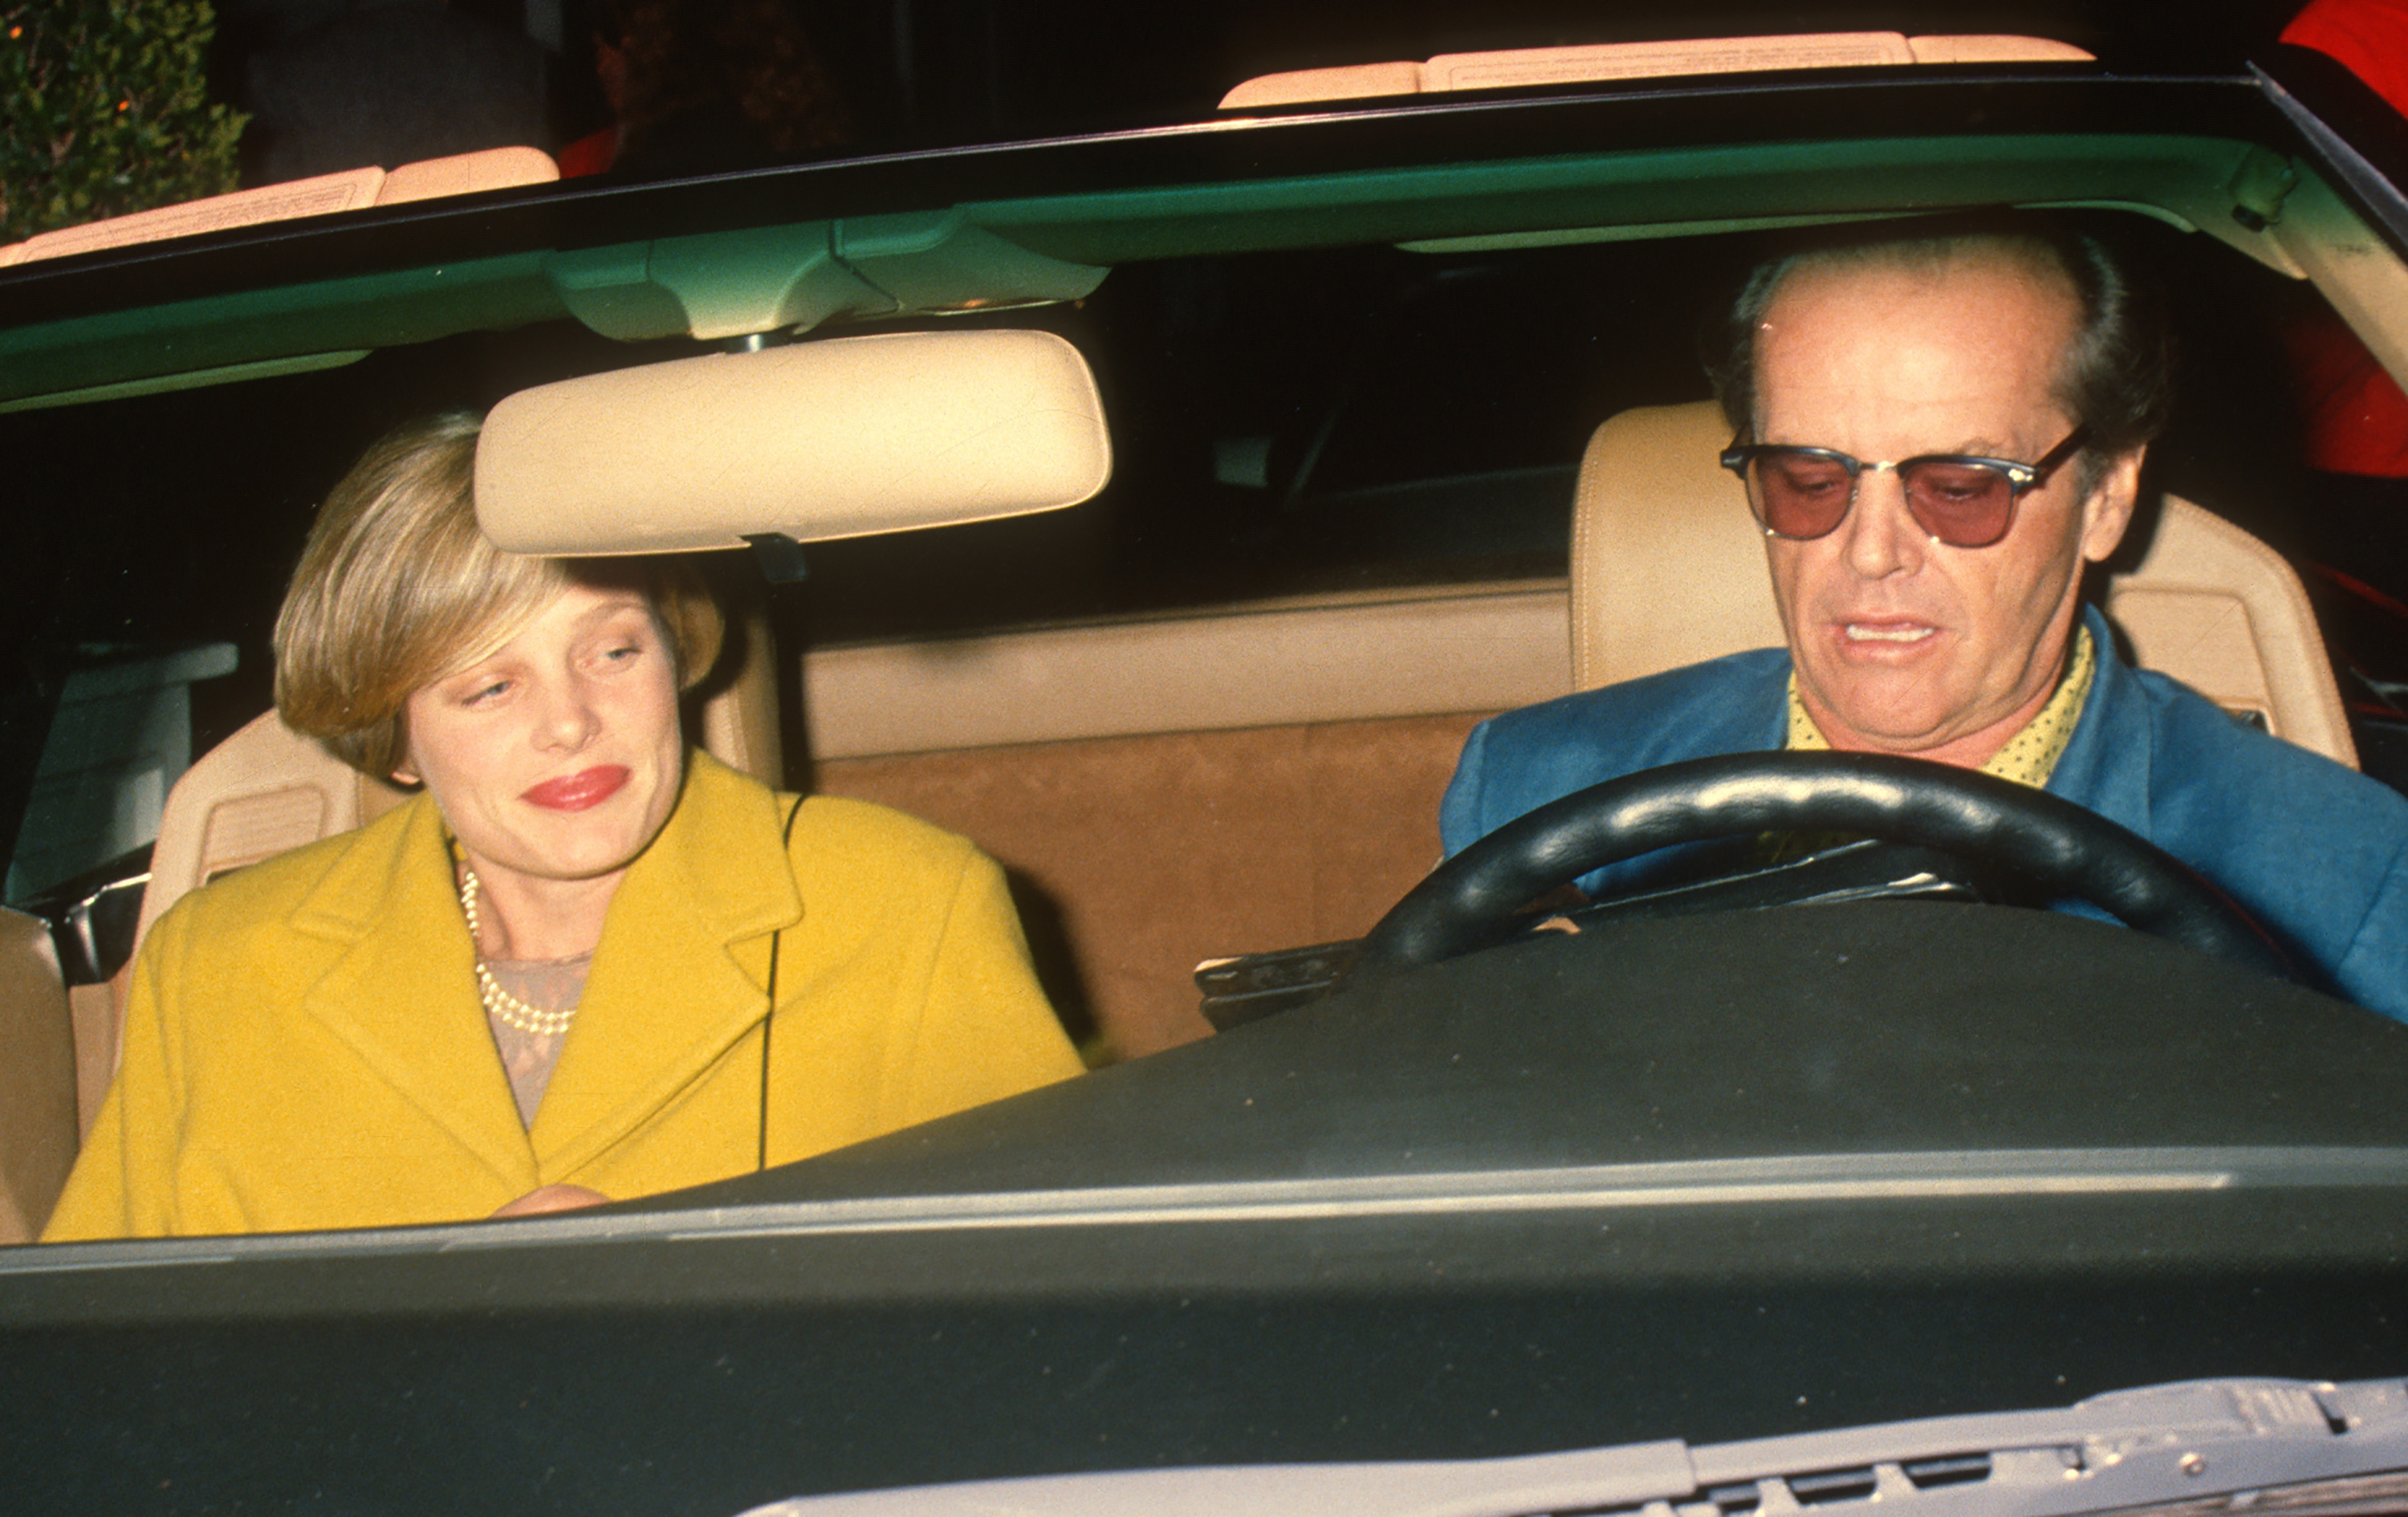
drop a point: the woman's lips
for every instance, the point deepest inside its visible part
(577, 791)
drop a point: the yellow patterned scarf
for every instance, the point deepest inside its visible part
(2028, 759)
(2031, 755)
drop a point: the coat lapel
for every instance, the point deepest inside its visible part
(2107, 762)
(403, 993)
(682, 971)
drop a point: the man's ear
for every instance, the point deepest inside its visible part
(2108, 511)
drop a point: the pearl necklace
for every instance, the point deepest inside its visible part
(504, 1006)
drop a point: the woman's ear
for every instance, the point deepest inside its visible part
(401, 770)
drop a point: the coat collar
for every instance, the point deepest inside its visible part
(683, 971)
(2107, 761)
(680, 974)
(403, 991)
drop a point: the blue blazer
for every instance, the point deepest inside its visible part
(2316, 852)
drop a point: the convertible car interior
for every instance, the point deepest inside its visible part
(1287, 755)
(1214, 774)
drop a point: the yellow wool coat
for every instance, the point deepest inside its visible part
(304, 1047)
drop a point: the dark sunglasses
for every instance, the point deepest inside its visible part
(1956, 498)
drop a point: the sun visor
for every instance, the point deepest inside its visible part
(838, 439)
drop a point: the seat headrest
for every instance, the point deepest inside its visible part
(1668, 566)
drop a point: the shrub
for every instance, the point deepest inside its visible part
(107, 111)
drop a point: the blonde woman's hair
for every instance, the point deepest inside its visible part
(397, 588)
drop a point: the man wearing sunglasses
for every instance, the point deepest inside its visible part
(1937, 435)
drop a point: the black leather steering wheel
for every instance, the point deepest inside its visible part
(1472, 900)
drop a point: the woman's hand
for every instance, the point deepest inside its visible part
(551, 1199)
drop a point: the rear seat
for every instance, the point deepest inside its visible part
(1187, 787)
(1150, 854)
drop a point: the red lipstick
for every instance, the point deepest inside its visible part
(578, 792)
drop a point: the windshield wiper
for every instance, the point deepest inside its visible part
(2199, 1447)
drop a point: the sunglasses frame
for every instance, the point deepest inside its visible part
(2022, 478)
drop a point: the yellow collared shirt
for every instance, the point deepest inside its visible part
(2031, 755)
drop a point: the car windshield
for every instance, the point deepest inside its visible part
(1699, 1169)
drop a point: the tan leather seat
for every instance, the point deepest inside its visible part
(260, 792)
(1668, 570)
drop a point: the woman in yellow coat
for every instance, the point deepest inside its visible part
(682, 975)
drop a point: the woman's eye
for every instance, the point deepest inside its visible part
(480, 694)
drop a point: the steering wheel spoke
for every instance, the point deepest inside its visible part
(1855, 869)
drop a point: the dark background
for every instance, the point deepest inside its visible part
(926, 72)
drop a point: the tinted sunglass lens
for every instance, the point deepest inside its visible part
(1800, 494)
(1963, 505)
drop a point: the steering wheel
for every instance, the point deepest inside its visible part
(1472, 900)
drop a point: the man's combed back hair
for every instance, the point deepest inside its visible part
(397, 587)
(2117, 375)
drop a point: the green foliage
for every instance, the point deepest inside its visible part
(106, 111)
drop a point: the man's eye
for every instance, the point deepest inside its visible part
(1958, 486)
(1809, 478)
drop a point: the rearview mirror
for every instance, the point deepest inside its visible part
(837, 439)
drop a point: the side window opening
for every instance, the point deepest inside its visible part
(119, 736)
(116, 734)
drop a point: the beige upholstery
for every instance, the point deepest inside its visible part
(1668, 568)
(37, 1077)
(737, 720)
(1178, 788)
(263, 791)
(1319, 659)
(93, 1011)
(1151, 852)
(260, 792)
